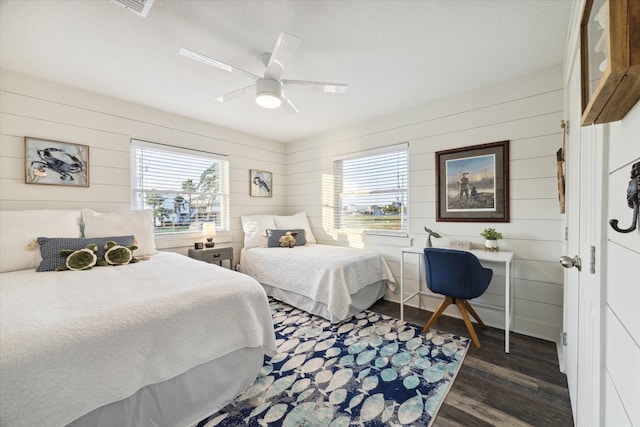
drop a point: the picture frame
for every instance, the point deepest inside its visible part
(610, 59)
(56, 163)
(472, 183)
(260, 183)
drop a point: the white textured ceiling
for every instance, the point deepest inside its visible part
(394, 55)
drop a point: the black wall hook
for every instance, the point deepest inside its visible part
(633, 200)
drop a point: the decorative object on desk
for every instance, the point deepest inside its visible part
(560, 158)
(57, 163)
(491, 237)
(371, 369)
(463, 246)
(473, 183)
(431, 233)
(610, 63)
(198, 245)
(261, 183)
(209, 231)
(633, 200)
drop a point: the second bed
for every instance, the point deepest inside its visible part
(330, 281)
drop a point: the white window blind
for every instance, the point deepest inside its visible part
(371, 190)
(184, 188)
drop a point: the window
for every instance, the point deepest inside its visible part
(371, 191)
(184, 188)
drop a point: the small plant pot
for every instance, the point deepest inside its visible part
(491, 245)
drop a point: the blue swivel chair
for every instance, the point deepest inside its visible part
(458, 276)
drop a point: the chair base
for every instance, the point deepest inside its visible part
(465, 308)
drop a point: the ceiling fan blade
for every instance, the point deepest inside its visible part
(318, 86)
(234, 94)
(288, 105)
(285, 47)
(217, 64)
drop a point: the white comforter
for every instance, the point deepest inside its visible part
(324, 273)
(74, 341)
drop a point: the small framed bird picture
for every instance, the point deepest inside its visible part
(260, 183)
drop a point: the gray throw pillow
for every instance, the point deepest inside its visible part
(50, 248)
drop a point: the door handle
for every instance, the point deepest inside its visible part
(571, 262)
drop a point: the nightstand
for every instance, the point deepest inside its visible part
(213, 255)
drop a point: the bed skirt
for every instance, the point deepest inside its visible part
(183, 400)
(361, 300)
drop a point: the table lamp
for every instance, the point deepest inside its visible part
(209, 230)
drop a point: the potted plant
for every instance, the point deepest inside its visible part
(491, 237)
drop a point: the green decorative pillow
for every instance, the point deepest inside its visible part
(50, 248)
(116, 254)
(82, 259)
(273, 237)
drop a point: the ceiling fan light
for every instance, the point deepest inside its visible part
(268, 93)
(268, 100)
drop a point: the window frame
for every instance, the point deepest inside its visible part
(222, 195)
(338, 194)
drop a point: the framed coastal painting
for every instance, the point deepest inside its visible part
(260, 183)
(56, 163)
(472, 183)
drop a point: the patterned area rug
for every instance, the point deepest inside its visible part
(372, 370)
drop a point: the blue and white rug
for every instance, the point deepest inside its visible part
(372, 370)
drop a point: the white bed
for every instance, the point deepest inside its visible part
(163, 342)
(334, 282)
(330, 281)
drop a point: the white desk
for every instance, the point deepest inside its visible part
(503, 257)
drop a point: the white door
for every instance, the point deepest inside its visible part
(572, 241)
(583, 287)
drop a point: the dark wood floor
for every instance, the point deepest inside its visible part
(522, 388)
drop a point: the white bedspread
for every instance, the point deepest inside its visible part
(73, 341)
(324, 273)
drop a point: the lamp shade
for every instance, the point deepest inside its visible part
(209, 229)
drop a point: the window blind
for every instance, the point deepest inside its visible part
(371, 190)
(185, 188)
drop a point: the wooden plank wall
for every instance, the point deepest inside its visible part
(622, 320)
(30, 107)
(527, 111)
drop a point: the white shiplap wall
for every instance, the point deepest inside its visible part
(621, 317)
(31, 107)
(527, 111)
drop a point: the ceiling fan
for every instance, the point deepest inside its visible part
(270, 88)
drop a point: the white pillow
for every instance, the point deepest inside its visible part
(20, 228)
(138, 223)
(255, 229)
(298, 220)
